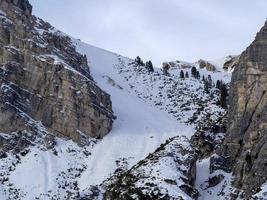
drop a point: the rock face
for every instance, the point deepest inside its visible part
(23, 5)
(231, 63)
(205, 64)
(245, 146)
(43, 79)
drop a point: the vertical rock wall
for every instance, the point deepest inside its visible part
(245, 146)
(43, 79)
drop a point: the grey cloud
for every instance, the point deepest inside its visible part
(159, 29)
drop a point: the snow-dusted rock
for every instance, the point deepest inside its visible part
(43, 79)
(168, 173)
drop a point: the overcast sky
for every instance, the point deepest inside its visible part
(159, 30)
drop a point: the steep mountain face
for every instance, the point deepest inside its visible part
(46, 86)
(245, 145)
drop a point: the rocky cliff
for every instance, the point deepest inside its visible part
(245, 146)
(45, 85)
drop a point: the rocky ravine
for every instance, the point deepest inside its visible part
(245, 146)
(43, 79)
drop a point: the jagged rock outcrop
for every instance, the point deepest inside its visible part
(245, 147)
(168, 173)
(43, 79)
(230, 63)
(207, 65)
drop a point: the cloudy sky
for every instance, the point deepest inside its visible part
(159, 30)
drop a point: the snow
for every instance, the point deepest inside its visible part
(219, 74)
(263, 193)
(46, 163)
(183, 98)
(42, 171)
(139, 128)
(2, 13)
(167, 168)
(218, 192)
(2, 193)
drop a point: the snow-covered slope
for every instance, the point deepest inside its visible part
(139, 128)
(183, 98)
(68, 169)
(144, 94)
(150, 108)
(168, 173)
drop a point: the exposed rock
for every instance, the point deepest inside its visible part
(207, 65)
(43, 79)
(10, 5)
(210, 135)
(165, 68)
(178, 64)
(172, 167)
(215, 180)
(245, 146)
(49, 141)
(230, 63)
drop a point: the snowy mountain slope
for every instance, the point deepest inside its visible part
(68, 169)
(189, 93)
(183, 98)
(139, 128)
(40, 174)
(150, 108)
(166, 141)
(168, 173)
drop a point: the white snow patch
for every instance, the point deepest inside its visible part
(139, 128)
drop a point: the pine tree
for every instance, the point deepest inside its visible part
(181, 74)
(209, 81)
(139, 61)
(149, 66)
(203, 79)
(206, 86)
(197, 75)
(186, 75)
(218, 84)
(223, 95)
(194, 71)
